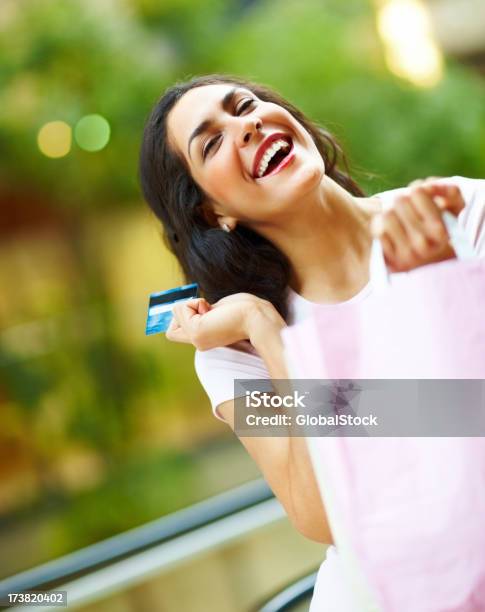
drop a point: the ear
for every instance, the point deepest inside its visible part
(216, 220)
(207, 211)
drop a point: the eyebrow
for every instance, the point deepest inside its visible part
(205, 125)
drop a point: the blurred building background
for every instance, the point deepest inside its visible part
(102, 428)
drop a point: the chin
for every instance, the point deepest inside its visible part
(304, 179)
(307, 180)
(310, 177)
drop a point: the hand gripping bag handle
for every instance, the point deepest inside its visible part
(380, 276)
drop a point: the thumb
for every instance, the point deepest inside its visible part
(447, 197)
(203, 306)
(197, 305)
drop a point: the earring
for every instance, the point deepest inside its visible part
(226, 227)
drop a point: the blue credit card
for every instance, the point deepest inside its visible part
(160, 306)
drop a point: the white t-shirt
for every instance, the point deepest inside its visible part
(219, 367)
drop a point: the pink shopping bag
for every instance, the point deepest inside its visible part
(408, 514)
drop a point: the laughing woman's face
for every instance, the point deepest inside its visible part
(252, 158)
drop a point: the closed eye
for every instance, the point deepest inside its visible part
(244, 105)
(209, 145)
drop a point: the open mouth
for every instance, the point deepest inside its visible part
(274, 157)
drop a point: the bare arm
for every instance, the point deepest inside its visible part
(284, 462)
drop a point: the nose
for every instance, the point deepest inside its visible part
(249, 128)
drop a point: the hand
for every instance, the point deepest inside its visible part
(412, 232)
(227, 321)
(447, 197)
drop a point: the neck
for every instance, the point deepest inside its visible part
(327, 240)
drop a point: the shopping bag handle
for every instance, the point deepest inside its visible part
(380, 277)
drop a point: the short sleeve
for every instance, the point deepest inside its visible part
(472, 217)
(218, 368)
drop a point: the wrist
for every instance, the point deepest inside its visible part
(264, 332)
(262, 321)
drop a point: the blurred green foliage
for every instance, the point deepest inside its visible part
(62, 60)
(148, 486)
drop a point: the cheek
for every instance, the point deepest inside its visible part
(223, 179)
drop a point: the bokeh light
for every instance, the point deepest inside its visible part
(54, 139)
(92, 132)
(411, 52)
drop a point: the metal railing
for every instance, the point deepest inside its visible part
(293, 595)
(134, 556)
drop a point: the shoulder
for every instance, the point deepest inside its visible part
(219, 368)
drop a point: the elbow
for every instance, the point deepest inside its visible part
(308, 514)
(310, 519)
(315, 531)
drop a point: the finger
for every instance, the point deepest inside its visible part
(190, 321)
(174, 322)
(429, 213)
(185, 311)
(194, 304)
(429, 218)
(183, 314)
(171, 328)
(174, 332)
(393, 228)
(388, 251)
(177, 335)
(447, 197)
(204, 306)
(413, 226)
(379, 227)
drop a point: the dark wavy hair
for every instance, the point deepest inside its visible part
(221, 263)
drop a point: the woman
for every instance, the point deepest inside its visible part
(260, 211)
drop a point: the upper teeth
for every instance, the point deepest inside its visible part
(270, 151)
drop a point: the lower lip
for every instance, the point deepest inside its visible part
(284, 162)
